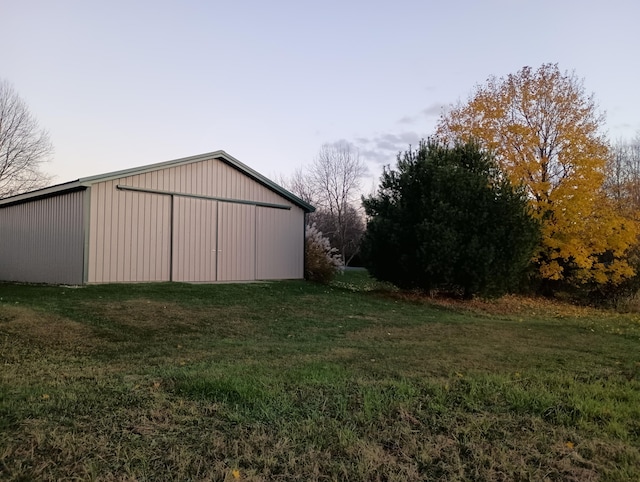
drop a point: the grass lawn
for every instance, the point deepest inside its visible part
(296, 381)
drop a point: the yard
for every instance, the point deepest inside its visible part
(297, 381)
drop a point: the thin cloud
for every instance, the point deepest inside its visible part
(392, 141)
(384, 148)
(340, 143)
(377, 156)
(431, 111)
(408, 119)
(434, 110)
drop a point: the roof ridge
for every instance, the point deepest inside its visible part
(219, 155)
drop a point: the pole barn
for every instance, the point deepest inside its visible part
(204, 218)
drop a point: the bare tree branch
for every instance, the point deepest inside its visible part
(23, 146)
(300, 185)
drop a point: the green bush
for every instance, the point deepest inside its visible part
(448, 218)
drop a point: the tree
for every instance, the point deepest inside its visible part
(448, 218)
(336, 175)
(545, 132)
(622, 180)
(23, 146)
(299, 184)
(332, 184)
(349, 236)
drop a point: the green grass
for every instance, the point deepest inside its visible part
(296, 381)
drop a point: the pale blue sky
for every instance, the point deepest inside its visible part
(120, 84)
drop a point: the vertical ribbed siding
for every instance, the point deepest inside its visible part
(42, 241)
(129, 235)
(206, 178)
(236, 242)
(194, 239)
(280, 244)
(130, 232)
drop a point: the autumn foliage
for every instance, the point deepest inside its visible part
(545, 132)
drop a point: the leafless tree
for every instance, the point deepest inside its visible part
(622, 181)
(336, 175)
(23, 145)
(300, 185)
(349, 237)
(332, 184)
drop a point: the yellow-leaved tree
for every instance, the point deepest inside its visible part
(545, 133)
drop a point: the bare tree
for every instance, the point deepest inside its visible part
(622, 180)
(300, 185)
(349, 237)
(332, 184)
(23, 146)
(335, 175)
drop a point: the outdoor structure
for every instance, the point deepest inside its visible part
(204, 218)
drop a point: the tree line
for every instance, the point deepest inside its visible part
(518, 188)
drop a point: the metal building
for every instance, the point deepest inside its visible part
(202, 218)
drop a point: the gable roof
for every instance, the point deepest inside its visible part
(86, 182)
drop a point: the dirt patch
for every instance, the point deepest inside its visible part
(45, 330)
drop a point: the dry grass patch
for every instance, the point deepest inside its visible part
(158, 316)
(45, 330)
(508, 305)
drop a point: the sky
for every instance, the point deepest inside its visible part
(120, 84)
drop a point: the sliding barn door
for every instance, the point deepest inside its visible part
(194, 256)
(236, 242)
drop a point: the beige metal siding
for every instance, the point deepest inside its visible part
(279, 243)
(42, 241)
(194, 239)
(129, 236)
(206, 178)
(236, 242)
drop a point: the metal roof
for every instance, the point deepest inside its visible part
(86, 182)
